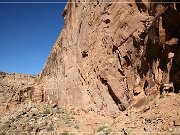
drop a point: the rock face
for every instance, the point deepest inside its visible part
(110, 57)
(18, 88)
(107, 55)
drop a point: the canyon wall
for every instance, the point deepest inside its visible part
(99, 62)
(109, 56)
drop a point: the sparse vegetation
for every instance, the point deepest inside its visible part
(104, 129)
(76, 127)
(149, 99)
(65, 133)
(36, 118)
(162, 96)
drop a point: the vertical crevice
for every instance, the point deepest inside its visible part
(80, 27)
(141, 6)
(113, 95)
(81, 75)
(120, 69)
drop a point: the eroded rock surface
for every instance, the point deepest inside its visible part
(93, 64)
(108, 54)
(18, 88)
(111, 68)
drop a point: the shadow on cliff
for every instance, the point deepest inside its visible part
(141, 6)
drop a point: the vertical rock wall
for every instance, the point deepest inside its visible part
(105, 57)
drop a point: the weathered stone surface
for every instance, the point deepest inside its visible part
(108, 56)
(105, 50)
(95, 61)
(18, 88)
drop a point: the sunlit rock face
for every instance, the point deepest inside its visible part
(106, 57)
(15, 89)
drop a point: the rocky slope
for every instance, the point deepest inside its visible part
(156, 116)
(16, 89)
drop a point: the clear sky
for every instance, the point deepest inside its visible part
(27, 35)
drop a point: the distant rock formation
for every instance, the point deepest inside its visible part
(18, 88)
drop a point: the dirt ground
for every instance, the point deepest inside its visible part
(160, 115)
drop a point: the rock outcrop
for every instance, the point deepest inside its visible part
(111, 70)
(108, 54)
(18, 88)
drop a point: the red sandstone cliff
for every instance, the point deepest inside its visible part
(108, 55)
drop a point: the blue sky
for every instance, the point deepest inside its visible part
(27, 35)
